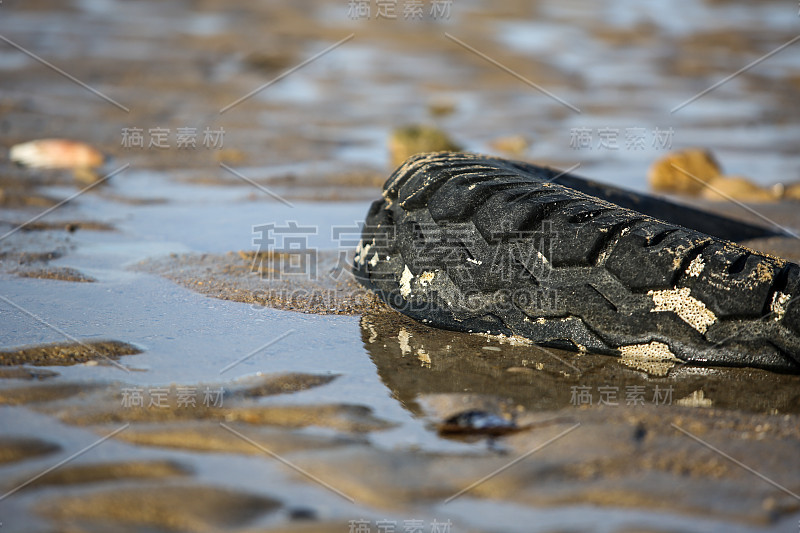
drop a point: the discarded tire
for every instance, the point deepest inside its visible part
(480, 244)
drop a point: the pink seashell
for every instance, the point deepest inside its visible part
(56, 153)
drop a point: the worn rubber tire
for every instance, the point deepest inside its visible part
(480, 244)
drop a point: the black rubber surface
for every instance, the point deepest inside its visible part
(480, 244)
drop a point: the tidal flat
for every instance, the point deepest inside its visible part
(183, 348)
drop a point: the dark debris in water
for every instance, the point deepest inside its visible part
(477, 422)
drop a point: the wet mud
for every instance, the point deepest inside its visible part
(66, 354)
(312, 281)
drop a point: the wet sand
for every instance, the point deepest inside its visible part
(164, 368)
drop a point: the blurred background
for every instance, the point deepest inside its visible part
(611, 86)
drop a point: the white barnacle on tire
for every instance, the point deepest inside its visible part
(696, 267)
(359, 250)
(427, 277)
(682, 303)
(362, 252)
(405, 282)
(778, 306)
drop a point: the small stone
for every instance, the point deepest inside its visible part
(684, 172)
(407, 141)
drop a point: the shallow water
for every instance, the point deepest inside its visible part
(316, 140)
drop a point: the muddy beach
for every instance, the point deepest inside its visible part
(183, 347)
